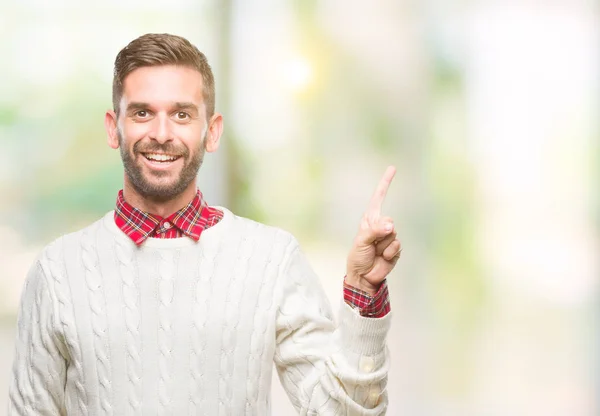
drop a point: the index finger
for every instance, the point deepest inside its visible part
(381, 191)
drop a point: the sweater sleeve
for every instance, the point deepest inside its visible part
(37, 385)
(327, 369)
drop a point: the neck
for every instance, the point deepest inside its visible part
(162, 208)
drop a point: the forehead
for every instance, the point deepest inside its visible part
(163, 84)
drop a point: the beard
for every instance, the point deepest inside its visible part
(158, 186)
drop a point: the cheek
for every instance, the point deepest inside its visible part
(134, 133)
(192, 138)
(136, 129)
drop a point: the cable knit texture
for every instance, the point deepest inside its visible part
(189, 328)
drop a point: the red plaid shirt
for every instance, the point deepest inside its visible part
(190, 220)
(376, 306)
(196, 217)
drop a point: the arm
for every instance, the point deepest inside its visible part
(325, 369)
(343, 370)
(37, 385)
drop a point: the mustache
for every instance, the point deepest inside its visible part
(169, 148)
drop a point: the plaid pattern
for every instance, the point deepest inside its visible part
(189, 221)
(376, 306)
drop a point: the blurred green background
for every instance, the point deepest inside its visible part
(488, 109)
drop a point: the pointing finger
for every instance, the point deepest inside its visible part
(381, 191)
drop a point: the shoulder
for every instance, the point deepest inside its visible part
(255, 229)
(271, 237)
(67, 244)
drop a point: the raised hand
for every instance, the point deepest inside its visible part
(376, 249)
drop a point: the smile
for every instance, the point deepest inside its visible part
(160, 157)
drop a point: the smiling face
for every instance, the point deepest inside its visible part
(162, 131)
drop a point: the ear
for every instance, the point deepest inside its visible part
(110, 124)
(215, 129)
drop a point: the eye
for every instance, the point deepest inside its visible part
(182, 115)
(141, 114)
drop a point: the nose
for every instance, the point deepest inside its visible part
(161, 131)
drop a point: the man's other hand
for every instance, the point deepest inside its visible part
(376, 249)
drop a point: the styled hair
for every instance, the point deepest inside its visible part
(162, 49)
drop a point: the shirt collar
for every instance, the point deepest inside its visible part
(191, 220)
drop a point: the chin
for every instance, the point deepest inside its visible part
(162, 191)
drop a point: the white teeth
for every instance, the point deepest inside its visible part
(159, 157)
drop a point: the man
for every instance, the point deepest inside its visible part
(169, 306)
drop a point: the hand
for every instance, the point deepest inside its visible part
(376, 249)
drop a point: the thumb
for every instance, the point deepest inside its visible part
(370, 233)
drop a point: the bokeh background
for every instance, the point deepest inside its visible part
(488, 108)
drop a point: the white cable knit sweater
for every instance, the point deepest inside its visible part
(178, 327)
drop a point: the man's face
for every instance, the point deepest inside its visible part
(162, 130)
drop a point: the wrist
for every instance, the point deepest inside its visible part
(362, 284)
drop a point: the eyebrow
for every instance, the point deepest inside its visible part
(136, 106)
(177, 106)
(186, 106)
